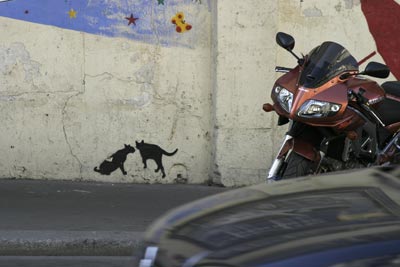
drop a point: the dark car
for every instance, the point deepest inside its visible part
(346, 219)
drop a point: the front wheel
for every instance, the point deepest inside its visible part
(297, 166)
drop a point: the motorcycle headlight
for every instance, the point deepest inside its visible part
(285, 98)
(318, 109)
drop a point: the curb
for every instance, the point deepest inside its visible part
(69, 243)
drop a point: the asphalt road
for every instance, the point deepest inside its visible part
(64, 218)
(83, 206)
(14, 261)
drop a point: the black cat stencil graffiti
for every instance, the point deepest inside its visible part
(117, 161)
(154, 152)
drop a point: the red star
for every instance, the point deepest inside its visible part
(131, 20)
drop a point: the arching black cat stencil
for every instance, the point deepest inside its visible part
(154, 152)
(117, 161)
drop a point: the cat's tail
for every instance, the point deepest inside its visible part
(170, 154)
(96, 170)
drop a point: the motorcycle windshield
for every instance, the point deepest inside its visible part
(325, 62)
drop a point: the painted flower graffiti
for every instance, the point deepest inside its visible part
(179, 21)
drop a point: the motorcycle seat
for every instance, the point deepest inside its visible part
(392, 88)
(388, 109)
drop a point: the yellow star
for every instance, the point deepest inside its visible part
(72, 13)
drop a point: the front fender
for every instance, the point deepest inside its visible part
(301, 147)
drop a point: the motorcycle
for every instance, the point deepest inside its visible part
(337, 118)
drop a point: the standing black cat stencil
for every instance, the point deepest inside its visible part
(154, 152)
(117, 161)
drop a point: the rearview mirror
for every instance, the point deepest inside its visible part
(377, 70)
(285, 40)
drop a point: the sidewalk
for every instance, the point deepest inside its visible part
(60, 218)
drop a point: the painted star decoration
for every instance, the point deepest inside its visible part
(131, 20)
(72, 13)
(160, 2)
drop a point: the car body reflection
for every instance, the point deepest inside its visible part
(346, 219)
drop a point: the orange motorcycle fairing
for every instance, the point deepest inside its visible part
(346, 119)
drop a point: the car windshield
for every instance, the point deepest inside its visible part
(325, 62)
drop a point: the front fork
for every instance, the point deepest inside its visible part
(279, 160)
(296, 145)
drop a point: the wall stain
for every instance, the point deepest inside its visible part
(16, 54)
(312, 12)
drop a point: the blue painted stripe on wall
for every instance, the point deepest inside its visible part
(107, 17)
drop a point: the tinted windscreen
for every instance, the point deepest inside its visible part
(325, 62)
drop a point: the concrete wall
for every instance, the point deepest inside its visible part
(245, 63)
(71, 99)
(75, 90)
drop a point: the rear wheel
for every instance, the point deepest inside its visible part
(297, 166)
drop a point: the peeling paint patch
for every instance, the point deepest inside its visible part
(140, 101)
(348, 4)
(17, 54)
(312, 12)
(7, 98)
(145, 77)
(146, 73)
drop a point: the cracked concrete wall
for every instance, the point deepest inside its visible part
(35, 88)
(69, 100)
